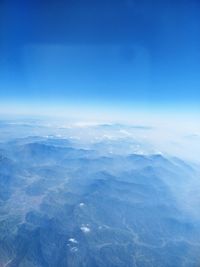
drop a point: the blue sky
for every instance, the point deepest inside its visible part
(133, 53)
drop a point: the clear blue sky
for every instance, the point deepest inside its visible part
(132, 52)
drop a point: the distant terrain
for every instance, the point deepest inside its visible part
(68, 200)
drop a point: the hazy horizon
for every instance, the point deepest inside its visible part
(99, 133)
(142, 56)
